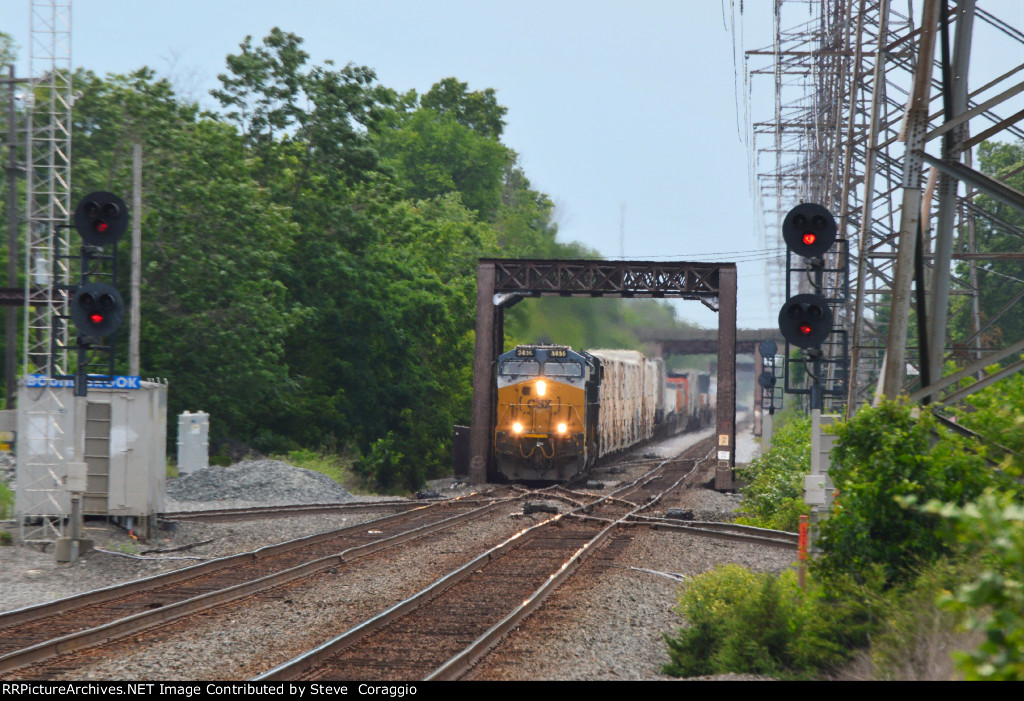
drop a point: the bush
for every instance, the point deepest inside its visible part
(882, 456)
(992, 527)
(761, 623)
(336, 466)
(774, 490)
(6, 501)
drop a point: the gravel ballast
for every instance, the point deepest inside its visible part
(608, 628)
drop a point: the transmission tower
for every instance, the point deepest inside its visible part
(873, 118)
(45, 449)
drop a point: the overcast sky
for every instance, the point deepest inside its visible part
(625, 113)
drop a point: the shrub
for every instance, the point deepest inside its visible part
(6, 501)
(916, 636)
(761, 623)
(336, 466)
(773, 494)
(992, 527)
(882, 455)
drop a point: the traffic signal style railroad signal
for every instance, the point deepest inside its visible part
(97, 309)
(809, 230)
(805, 320)
(101, 218)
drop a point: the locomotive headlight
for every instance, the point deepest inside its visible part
(562, 428)
(517, 427)
(542, 387)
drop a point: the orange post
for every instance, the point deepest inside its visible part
(802, 553)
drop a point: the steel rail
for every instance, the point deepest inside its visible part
(462, 661)
(733, 532)
(98, 596)
(145, 619)
(299, 509)
(312, 658)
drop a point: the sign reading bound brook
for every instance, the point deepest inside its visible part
(116, 382)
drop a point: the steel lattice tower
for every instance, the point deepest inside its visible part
(44, 447)
(873, 117)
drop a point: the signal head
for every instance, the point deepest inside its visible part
(97, 309)
(809, 230)
(805, 320)
(101, 218)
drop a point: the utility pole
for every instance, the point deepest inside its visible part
(14, 171)
(136, 282)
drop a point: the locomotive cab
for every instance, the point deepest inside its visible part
(542, 413)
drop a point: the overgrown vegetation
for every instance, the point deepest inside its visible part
(773, 494)
(761, 623)
(886, 562)
(992, 599)
(340, 467)
(884, 454)
(6, 501)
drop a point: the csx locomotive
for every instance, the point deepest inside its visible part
(560, 410)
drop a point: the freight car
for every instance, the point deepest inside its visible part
(560, 410)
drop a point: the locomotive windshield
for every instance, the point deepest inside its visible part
(563, 369)
(520, 367)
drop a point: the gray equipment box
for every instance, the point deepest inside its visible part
(119, 433)
(193, 442)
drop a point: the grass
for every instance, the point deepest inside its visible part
(6, 502)
(339, 467)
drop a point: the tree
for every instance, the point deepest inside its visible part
(477, 110)
(999, 279)
(448, 143)
(262, 87)
(214, 312)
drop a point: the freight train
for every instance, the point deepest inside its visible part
(561, 410)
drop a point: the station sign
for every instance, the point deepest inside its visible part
(116, 382)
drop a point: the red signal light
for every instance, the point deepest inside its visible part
(809, 238)
(805, 329)
(96, 318)
(101, 227)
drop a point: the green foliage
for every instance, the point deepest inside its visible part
(6, 538)
(477, 110)
(913, 636)
(991, 527)
(774, 489)
(998, 278)
(433, 154)
(746, 622)
(388, 468)
(339, 467)
(996, 412)
(6, 501)
(882, 455)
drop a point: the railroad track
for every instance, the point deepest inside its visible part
(30, 637)
(536, 559)
(289, 510)
(443, 630)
